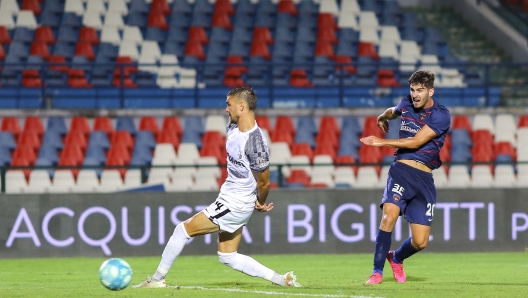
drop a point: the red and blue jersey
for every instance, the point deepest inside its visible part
(437, 117)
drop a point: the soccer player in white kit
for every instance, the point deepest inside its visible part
(246, 189)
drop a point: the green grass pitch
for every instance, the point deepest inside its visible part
(339, 275)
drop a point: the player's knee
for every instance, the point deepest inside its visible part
(227, 259)
(388, 222)
(419, 244)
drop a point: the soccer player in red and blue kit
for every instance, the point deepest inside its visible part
(410, 189)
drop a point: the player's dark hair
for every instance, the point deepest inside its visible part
(426, 78)
(247, 94)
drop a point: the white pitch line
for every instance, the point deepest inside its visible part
(264, 292)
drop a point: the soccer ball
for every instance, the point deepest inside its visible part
(115, 274)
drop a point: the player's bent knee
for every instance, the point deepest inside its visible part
(419, 245)
(227, 259)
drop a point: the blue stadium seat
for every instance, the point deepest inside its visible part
(23, 34)
(93, 164)
(191, 136)
(7, 140)
(14, 65)
(241, 34)
(34, 62)
(55, 6)
(5, 156)
(145, 138)
(139, 6)
(349, 35)
(284, 35)
(70, 19)
(141, 156)
(49, 18)
(308, 8)
(266, 6)
(136, 18)
(18, 49)
(107, 50)
(98, 138)
(97, 153)
(238, 48)
(243, 20)
(174, 48)
(307, 21)
(286, 20)
(64, 49)
(282, 49)
(265, 20)
(217, 50)
(145, 79)
(57, 124)
(305, 136)
(305, 34)
(50, 153)
(55, 79)
(180, 20)
(219, 34)
(245, 6)
(203, 6)
(346, 149)
(81, 62)
(126, 123)
(155, 34)
(177, 34)
(182, 6)
(351, 124)
(44, 162)
(53, 139)
(67, 34)
(194, 123)
(201, 19)
(461, 137)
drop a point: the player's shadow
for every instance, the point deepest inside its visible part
(415, 278)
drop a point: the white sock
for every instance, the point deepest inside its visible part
(172, 251)
(247, 265)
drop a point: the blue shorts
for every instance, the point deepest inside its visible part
(413, 191)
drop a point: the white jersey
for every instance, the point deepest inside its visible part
(247, 152)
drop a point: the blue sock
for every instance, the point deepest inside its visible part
(406, 250)
(383, 242)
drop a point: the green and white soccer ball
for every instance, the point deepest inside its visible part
(115, 274)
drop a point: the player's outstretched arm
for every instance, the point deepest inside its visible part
(383, 119)
(423, 136)
(263, 187)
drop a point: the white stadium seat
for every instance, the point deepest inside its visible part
(63, 182)
(216, 123)
(39, 182)
(15, 182)
(132, 34)
(26, 18)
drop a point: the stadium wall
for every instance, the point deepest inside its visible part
(311, 221)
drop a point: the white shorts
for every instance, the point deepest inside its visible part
(228, 219)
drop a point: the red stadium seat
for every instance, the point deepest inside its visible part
(76, 137)
(172, 123)
(80, 123)
(149, 123)
(89, 35)
(85, 49)
(117, 161)
(2, 54)
(326, 149)
(214, 151)
(299, 79)
(213, 138)
(327, 34)
(260, 49)
(194, 49)
(447, 142)
(445, 154)
(232, 78)
(223, 175)
(32, 5)
(345, 63)
(157, 19)
(368, 49)
(287, 6)
(58, 63)
(324, 49)
(264, 123)
(197, 34)
(221, 19)
(523, 121)
(72, 152)
(505, 148)
(324, 137)
(346, 161)
(39, 48)
(118, 151)
(461, 122)
(11, 124)
(5, 38)
(370, 154)
(327, 20)
(31, 78)
(45, 35)
(22, 162)
(169, 136)
(238, 66)
(262, 34)
(302, 149)
(34, 123)
(224, 6)
(282, 136)
(482, 135)
(71, 162)
(284, 123)
(103, 123)
(298, 177)
(29, 139)
(386, 79)
(76, 79)
(125, 82)
(122, 137)
(160, 6)
(329, 124)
